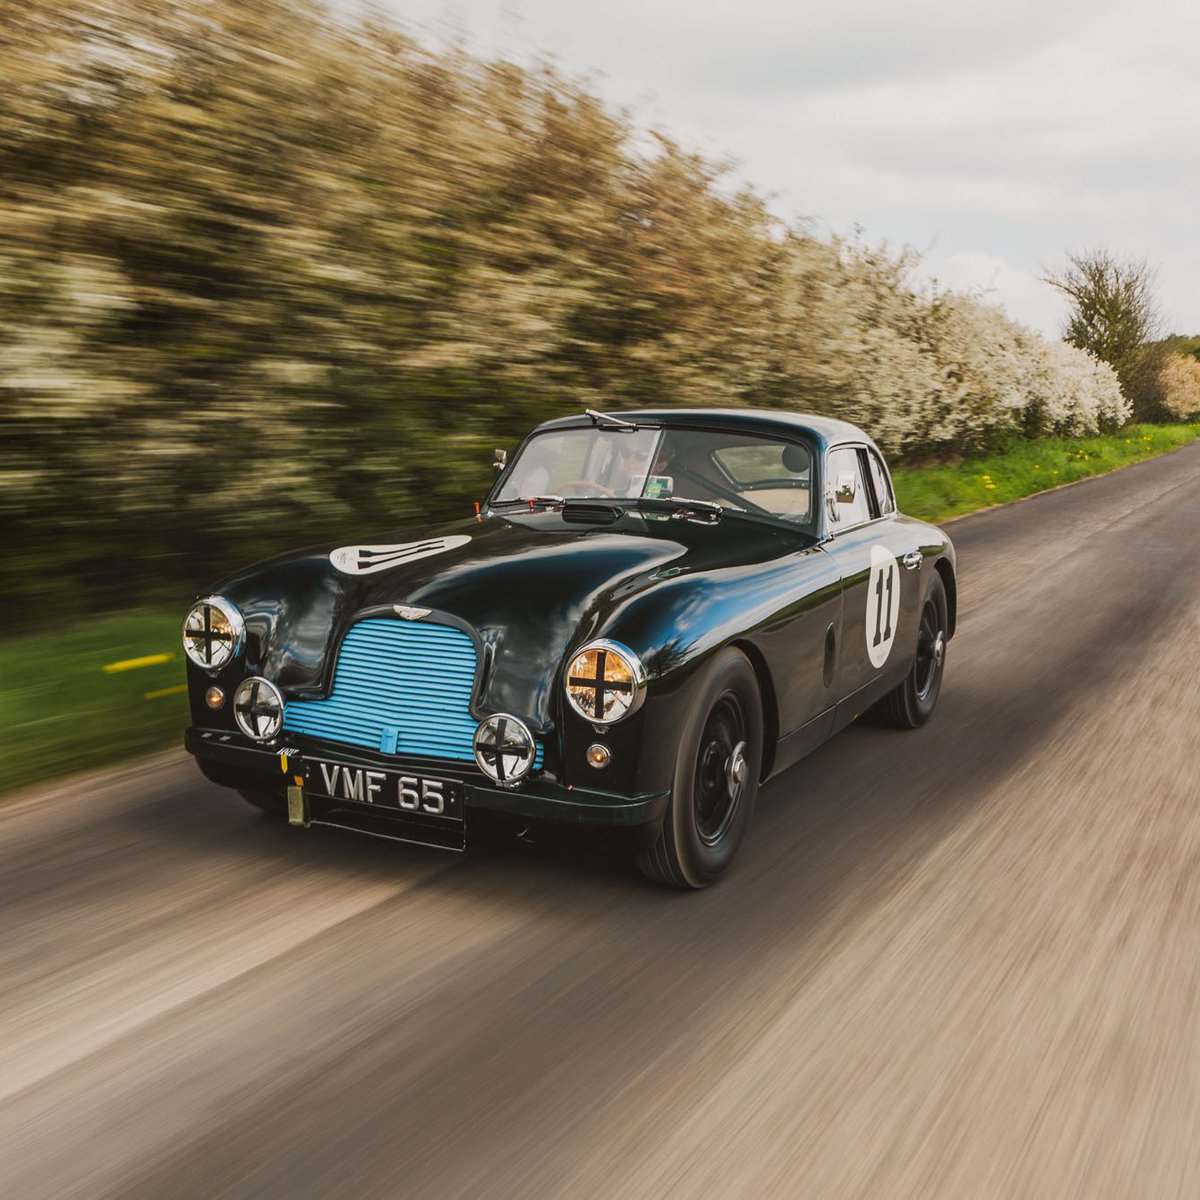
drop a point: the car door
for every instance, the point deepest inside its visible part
(903, 538)
(864, 544)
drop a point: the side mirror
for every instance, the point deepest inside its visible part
(847, 488)
(500, 461)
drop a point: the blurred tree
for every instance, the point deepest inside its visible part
(1179, 380)
(1114, 315)
(1178, 344)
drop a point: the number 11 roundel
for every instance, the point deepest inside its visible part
(883, 605)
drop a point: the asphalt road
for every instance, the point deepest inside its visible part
(963, 962)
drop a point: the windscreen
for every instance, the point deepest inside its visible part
(583, 462)
(747, 473)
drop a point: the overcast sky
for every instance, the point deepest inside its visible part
(991, 137)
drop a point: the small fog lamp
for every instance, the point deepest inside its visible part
(598, 755)
(504, 748)
(214, 697)
(258, 708)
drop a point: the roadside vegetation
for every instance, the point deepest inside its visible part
(1113, 315)
(62, 711)
(942, 490)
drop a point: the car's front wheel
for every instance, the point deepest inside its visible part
(911, 703)
(716, 778)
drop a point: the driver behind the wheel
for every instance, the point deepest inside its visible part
(661, 480)
(628, 469)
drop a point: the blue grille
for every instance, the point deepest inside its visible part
(400, 687)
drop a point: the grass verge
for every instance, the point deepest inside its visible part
(61, 711)
(935, 493)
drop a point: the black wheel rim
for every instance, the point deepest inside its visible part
(931, 643)
(719, 782)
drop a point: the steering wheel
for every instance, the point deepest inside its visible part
(597, 489)
(720, 492)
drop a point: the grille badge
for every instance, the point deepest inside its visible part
(409, 613)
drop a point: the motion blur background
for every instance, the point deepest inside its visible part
(270, 270)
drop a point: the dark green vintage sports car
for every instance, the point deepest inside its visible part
(651, 613)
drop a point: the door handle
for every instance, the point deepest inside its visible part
(913, 559)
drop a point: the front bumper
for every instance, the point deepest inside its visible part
(232, 761)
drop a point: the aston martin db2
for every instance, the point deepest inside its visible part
(650, 614)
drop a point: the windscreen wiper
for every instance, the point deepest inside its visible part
(615, 422)
(682, 507)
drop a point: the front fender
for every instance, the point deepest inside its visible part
(780, 611)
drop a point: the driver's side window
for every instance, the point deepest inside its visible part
(845, 489)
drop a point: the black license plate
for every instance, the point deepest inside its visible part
(418, 795)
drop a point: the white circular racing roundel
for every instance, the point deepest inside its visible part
(366, 560)
(883, 605)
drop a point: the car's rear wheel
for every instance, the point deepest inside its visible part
(269, 802)
(911, 704)
(716, 778)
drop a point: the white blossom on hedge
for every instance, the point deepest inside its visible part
(1179, 379)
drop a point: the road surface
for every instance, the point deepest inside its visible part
(963, 962)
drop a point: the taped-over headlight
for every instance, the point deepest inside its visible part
(212, 632)
(605, 682)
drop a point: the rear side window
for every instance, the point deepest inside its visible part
(883, 491)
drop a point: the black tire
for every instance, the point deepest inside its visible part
(269, 802)
(911, 704)
(709, 812)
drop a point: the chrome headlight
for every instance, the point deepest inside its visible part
(605, 682)
(258, 708)
(504, 748)
(212, 632)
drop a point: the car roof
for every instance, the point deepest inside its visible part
(824, 431)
